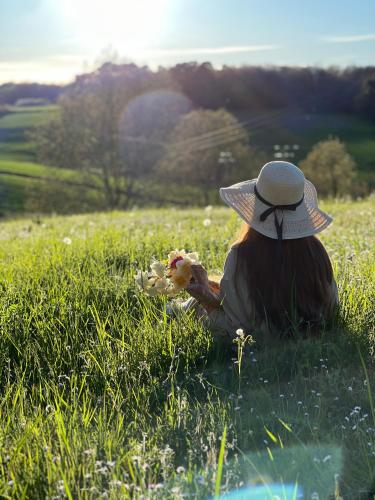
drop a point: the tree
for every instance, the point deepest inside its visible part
(330, 167)
(208, 149)
(144, 127)
(84, 137)
(92, 131)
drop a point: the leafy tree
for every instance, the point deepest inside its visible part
(96, 131)
(85, 137)
(208, 149)
(330, 167)
(144, 127)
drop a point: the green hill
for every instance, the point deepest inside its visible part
(286, 133)
(29, 187)
(288, 129)
(13, 125)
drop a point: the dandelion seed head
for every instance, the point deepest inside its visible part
(89, 451)
(115, 483)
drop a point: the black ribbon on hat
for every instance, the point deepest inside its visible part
(273, 208)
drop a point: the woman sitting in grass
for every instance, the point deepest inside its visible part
(278, 278)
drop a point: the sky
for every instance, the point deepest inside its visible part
(53, 40)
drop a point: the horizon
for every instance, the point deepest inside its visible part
(154, 69)
(46, 41)
(87, 71)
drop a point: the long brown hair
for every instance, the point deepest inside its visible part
(288, 285)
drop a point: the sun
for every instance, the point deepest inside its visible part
(127, 25)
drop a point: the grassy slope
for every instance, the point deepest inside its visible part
(21, 194)
(265, 131)
(273, 128)
(25, 117)
(306, 130)
(102, 393)
(13, 144)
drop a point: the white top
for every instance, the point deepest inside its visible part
(236, 310)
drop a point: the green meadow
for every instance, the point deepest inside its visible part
(105, 396)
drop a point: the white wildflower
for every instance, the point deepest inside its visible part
(89, 451)
(141, 279)
(207, 222)
(162, 284)
(158, 268)
(115, 483)
(67, 241)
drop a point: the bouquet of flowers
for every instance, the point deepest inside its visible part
(170, 277)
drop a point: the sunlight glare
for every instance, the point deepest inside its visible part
(126, 25)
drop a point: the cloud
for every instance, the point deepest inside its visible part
(205, 50)
(58, 68)
(348, 38)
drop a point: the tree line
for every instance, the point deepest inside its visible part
(246, 88)
(10, 93)
(137, 136)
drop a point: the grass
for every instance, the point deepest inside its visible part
(22, 189)
(13, 126)
(305, 130)
(283, 127)
(25, 117)
(103, 395)
(27, 187)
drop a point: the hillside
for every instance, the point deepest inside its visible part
(14, 123)
(288, 134)
(30, 187)
(305, 130)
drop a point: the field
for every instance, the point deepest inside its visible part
(13, 125)
(103, 395)
(27, 187)
(307, 130)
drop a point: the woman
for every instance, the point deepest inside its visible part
(278, 278)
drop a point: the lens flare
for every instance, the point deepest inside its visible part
(126, 25)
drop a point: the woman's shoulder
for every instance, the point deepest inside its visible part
(231, 262)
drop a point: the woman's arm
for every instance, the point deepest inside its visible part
(218, 320)
(206, 292)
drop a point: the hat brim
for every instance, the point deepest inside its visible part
(306, 220)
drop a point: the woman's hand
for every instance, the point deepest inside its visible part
(200, 289)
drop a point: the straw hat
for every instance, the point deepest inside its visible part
(280, 203)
